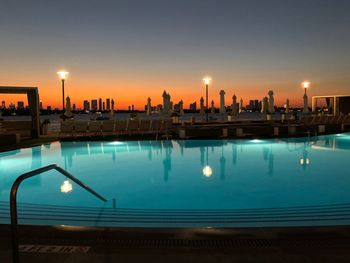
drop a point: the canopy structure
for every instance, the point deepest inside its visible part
(335, 103)
(33, 102)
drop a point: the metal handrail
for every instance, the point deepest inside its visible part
(13, 200)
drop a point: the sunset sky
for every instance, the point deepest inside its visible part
(129, 50)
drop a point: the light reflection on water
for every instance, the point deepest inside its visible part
(188, 173)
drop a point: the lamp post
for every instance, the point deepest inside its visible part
(63, 76)
(206, 81)
(305, 84)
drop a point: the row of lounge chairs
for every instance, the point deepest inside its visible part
(116, 128)
(325, 119)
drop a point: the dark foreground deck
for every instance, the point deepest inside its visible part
(69, 244)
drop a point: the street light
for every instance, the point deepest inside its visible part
(63, 76)
(305, 84)
(206, 81)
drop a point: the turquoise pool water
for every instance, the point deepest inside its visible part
(194, 183)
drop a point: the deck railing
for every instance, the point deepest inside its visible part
(13, 200)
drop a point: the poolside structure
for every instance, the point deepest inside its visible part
(335, 103)
(33, 102)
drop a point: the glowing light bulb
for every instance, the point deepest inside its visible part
(207, 80)
(306, 84)
(63, 74)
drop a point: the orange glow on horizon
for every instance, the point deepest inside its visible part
(138, 96)
(125, 90)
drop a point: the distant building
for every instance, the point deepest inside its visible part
(99, 104)
(86, 105)
(108, 104)
(20, 105)
(74, 107)
(112, 104)
(41, 105)
(254, 105)
(251, 105)
(49, 108)
(103, 106)
(94, 105)
(193, 106)
(159, 107)
(259, 103)
(12, 106)
(3, 104)
(177, 107)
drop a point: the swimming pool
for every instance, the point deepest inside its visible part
(184, 183)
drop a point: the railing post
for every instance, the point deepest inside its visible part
(14, 222)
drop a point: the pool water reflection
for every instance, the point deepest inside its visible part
(188, 174)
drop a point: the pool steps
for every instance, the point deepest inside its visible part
(338, 214)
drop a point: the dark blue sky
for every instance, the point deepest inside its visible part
(246, 45)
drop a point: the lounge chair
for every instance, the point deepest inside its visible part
(66, 128)
(120, 127)
(323, 119)
(133, 127)
(80, 128)
(314, 120)
(306, 119)
(165, 128)
(2, 130)
(19, 127)
(145, 126)
(340, 119)
(329, 119)
(108, 127)
(346, 119)
(345, 123)
(95, 128)
(155, 127)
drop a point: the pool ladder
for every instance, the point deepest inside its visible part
(13, 200)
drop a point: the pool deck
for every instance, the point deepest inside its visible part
(321, 244)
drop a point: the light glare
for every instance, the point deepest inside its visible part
(116, 143)
(207, 171)
(256, 141)
(304, 161)
(306, 84)
(63, 74)
(207, 80)
(66, 187)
